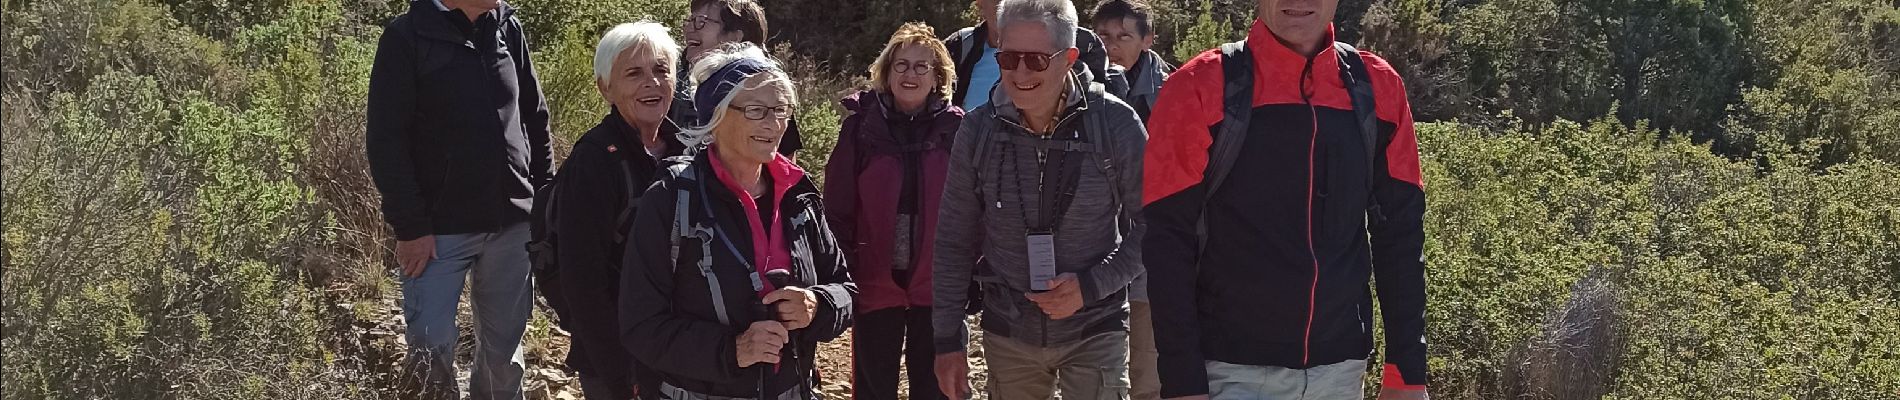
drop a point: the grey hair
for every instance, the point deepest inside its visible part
(1058, 16)
(710, 63)
(650, 35)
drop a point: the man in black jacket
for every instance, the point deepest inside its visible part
(598, 186)
(457, 143)
(1283, 196)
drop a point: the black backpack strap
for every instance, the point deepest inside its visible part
(1097, 133)
(633, 201)
(1231, 132)
(1365, 105)
(682, 205)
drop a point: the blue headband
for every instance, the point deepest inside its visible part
(721, 84)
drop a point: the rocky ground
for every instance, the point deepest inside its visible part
(379, 327)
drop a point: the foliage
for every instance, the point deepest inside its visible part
(1719, 267)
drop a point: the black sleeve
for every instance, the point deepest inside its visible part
(1172, 255)
(662, 340)
(1397, 229)
(534, 112)
(392, 104)
(791, 142)
(836, 292)
(1093, 57)
(588, 278)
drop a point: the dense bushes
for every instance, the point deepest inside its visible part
(1752, 77)
(165, 234)
(1732, 283)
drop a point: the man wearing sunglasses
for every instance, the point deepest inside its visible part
(1283, 178)
(974, 51)
(1044, 184)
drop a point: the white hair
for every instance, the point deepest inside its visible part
(644, 34)
(719, 57)
(1058, 16)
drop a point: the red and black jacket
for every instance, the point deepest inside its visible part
(1284, 277)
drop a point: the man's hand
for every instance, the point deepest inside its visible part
(1390, 393)
(953, 375)
(414, 255)
(795, 307)
(1062, 300)
(760, 343)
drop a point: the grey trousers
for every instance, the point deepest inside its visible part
(497, 263)
(1092, 369)
(1339, 381)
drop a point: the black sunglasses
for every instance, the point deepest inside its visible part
(1009, 60)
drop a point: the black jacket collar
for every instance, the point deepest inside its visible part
(430, 23)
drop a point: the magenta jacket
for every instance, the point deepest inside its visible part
(865, 182)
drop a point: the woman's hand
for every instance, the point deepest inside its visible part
(761, 343)
(795, 307)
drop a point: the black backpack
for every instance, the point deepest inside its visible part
(544, 242)
(1237, 109)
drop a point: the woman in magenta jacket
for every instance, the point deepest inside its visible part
(882, 185)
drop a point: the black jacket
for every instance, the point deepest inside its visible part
(458, 129)
(1294, 243)
(668, 317)
(1093, 59)
(593, 188)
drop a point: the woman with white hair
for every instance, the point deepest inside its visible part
(733, 275)
(592, 205)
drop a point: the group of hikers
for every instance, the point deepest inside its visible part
(1121, 228)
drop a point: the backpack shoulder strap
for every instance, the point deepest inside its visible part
(683, 179)
(1358, 80)
(1236, 110)
(633, 201)
(1101, 143)
(1231, 132)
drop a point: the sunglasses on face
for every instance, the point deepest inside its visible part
(1009, 60)
(758, 112)
(904, 67)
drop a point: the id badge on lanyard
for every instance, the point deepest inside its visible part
(1042, 260)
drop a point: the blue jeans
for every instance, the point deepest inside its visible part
(500, 299)
(1344, 380)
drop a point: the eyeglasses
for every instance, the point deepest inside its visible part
(1009, 60)
(902, 67)
(699, 21)
(758, 112)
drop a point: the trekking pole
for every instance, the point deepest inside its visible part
(783, 279)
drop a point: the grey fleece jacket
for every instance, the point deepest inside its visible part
(1098, 238)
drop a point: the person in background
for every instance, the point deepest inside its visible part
(973, 49)
(710, 24)
(733, 275)
(1044, 184)
(1127, 28)
(883, 183)
(457, 141)
(595, 192)
(1273, 206)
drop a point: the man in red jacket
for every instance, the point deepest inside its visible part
(1271, 204)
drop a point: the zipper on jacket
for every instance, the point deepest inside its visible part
(1306, 343)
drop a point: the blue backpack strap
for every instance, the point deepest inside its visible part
(1365, 106)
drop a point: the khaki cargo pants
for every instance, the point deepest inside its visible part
(1092, 369)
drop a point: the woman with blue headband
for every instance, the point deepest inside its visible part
(732, 275)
